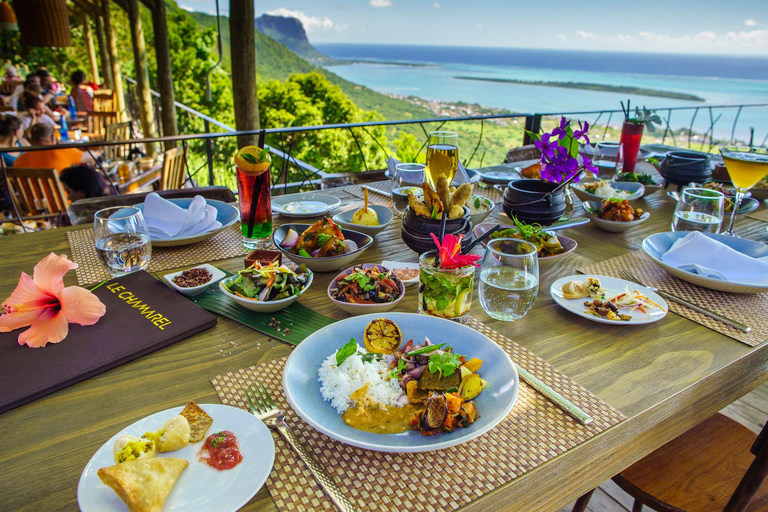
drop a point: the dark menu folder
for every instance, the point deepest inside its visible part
(143, 315)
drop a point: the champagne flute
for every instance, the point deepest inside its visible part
(746, 166)
(122, 240)
(509, 278)
(442, 156)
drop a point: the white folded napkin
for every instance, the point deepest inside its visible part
(168, 220)
(460, 178)
(700, 254)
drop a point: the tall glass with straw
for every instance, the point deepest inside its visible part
(255, 193)
(746, 166)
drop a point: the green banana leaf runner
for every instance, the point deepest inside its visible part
(299, 320)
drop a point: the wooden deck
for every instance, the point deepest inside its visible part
(751, 411)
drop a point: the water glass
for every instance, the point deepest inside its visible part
(409, 175)
(445, 293)
(122, 240)
(509, 278)
(608, 157)
(699, 209)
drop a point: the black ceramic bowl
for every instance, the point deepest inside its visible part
(682, 167)
(532, 201)
(424, 226)
(423, 242)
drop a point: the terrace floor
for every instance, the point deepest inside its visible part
(751, 411)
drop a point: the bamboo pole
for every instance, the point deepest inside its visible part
(243, 53)
(117, 76)
(88, 33)
(146, 109)
(164, 73)
(106, 67)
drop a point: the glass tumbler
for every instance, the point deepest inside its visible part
(699, 209)
(122, 240)
(446, 293)
(509, 278)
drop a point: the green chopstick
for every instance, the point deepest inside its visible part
(557, 398)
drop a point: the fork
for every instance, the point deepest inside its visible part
(706, 312)
(262, 406)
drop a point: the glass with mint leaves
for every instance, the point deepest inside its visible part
(446, 279)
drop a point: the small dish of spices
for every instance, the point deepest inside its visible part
(195, 280)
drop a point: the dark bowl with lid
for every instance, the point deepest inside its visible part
(682, 167)
(534, 201)
(416, 231)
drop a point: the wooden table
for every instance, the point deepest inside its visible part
(665, 377)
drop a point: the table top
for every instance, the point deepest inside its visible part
(665, 377)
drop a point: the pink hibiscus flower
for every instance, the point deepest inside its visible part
(48, 307)
(450, 255)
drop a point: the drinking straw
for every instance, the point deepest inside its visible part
(254, 195)
(443, 220)
(465, 250)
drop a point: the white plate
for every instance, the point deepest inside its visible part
(304, 204)
(401, 264)
(613, 287)
(200, 487)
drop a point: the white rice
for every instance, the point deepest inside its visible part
(605, 191)
(337, 383)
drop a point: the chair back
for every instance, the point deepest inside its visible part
(96, 123)
(103, 100)
(7, 88)
(114, 132)
(82, 210)
(7, 108)
(522, 153)
(174, 165)
(754, 477)
(36, 191)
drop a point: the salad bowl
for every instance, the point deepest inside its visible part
(591, 208)
(269, 306)
(328, 264)
(362, 309)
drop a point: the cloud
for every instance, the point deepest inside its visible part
(742, 42)
(479, 25)
(587, 35)
(438, 6)
(380, 3)
(750, 23)
(561, 37)
(311, 23)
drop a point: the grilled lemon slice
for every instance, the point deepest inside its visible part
(382, 336)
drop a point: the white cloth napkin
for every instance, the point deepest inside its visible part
(460, 178)
(167, 220)
(700, 254)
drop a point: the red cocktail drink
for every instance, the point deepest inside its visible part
(255, 207)
(631, 133)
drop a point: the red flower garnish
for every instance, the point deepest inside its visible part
(449, 253)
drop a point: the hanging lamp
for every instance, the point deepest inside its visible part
(43, 22)
(8, 17)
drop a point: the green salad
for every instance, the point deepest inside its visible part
(645, 179)
(268, 283)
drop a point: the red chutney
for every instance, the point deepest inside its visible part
(221, 451)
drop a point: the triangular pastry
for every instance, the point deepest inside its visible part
(143, 484)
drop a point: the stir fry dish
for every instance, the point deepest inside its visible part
(546, 242)
(645, 179)
(367, 286)
(618, 210)
(323, 239)
(436, 201)
(270, 282)
(387, 388)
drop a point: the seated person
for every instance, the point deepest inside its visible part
(82, 93)
(10, 74)
(33, 112)
(81, 182)
(47, 83)
(43, 135)
(11, 136)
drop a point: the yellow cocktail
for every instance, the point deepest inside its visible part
(442, 156)
(746, 166)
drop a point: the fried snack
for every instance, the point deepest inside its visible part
(443, 191)
(143, 484)
(456, 212)
(432, 199)
(132, 448)
(198, 421)
(575, 290)
(462, 195)
(532, 171)
(172, 435)
(418, 206)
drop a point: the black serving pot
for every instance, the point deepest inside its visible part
(682, 167)
(416, 230)
(534, 201)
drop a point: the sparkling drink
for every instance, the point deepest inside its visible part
(442, 160)
(696, 221)
(631, 134)
(255, 208)
(123, 253)
(506, 293)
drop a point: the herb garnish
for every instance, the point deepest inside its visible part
(444, 364)
(322, 238)
(217, 438)
(362, 280)
(396, 371)
(346, 351)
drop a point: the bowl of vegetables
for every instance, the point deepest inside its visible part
(366, 288)
(614, 215)
(266, 289)
(596, 190)
(322, 246)
(479, 208)
(650, 183)
(550, 246)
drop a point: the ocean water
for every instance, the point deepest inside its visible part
(719, 80)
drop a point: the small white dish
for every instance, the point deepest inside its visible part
(479, 208)
(635, 190)
(304, 204)
(613, 226)
(216, 275)
(265, 306)
(344, 219)
(394, 265)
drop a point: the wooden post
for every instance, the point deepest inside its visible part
(164, 73)
(88, 33)
(146, 110)
(243, 53)
(117, 76)
(106, 67)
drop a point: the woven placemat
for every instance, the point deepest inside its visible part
(534, 432)
(746, 308)
(759, 215)
(226, 244)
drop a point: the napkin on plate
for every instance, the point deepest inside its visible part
(700, 254)
(460, 178)
(168, 220)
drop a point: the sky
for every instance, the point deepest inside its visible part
(738, 27)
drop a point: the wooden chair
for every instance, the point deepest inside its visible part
(7, 88)
(522, 153)
(82, 210)
(103, 100)
(174, 166)
(115, 132)
(37, 192)
(708, 468)
(97, 122)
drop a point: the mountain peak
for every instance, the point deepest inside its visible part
(290, 32)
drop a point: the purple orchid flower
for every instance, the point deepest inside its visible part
(557, 164)
(547, 149)
(562, 130)
(582, 132)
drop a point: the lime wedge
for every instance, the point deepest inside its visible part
(459, 301)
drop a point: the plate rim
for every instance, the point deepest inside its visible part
(330, 205)
(259, 426)
(380, 447)
(650, 293)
